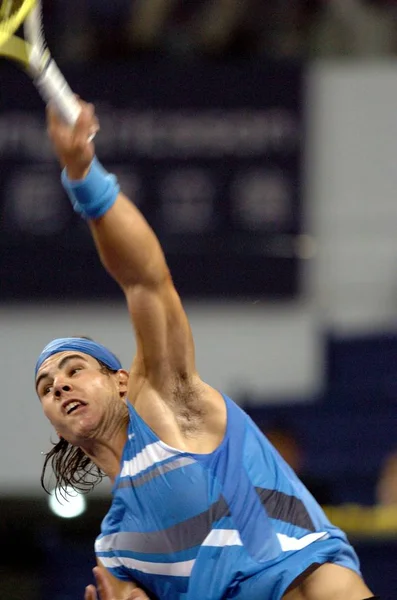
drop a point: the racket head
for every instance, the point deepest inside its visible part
(12, 15)
(31, 51)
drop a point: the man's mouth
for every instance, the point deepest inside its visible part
(73, 406)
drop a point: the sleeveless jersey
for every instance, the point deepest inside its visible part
(235, 523)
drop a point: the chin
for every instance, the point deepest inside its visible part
(85, 429)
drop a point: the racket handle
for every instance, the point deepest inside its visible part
(54, 88)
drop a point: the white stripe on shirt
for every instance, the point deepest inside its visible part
(176, 569)
(147, 457)
(291, 543)
(223, 537)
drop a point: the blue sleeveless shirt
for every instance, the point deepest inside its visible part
(236, 523)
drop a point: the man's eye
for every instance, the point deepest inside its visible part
(47, 390)
(75, 370)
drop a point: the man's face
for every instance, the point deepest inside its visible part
(76, 394)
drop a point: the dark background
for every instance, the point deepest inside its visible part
(203, 118)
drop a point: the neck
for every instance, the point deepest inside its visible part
(106, 449)
(107, 455)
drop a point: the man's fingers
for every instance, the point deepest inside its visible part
(104, 587)
(86, 124)
(57, 130)
(53, 118)
(90, 593)
(138, 594)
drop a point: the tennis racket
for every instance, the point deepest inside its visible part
(31, 52)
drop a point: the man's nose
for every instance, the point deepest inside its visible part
(61, 387)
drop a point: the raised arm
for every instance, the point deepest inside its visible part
(132, 255)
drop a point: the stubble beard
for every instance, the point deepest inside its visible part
(116, 419)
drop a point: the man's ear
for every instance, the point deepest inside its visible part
(122, 380)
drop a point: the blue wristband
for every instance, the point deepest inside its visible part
(95, 194)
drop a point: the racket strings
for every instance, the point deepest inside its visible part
(12, 14)
(8, 9)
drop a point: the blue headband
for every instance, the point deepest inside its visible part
(81, 345)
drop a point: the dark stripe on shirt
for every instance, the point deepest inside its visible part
(188, 534)
(285, 508)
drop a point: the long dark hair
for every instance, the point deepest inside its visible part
(70, 466)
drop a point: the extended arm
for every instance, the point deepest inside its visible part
(131, 253)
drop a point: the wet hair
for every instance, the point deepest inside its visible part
(70, 465)
(71, 468)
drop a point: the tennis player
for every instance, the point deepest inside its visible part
(203, 506)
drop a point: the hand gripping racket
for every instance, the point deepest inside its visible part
(32, 53)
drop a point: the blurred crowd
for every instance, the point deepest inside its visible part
(91, 29)
(289, 444)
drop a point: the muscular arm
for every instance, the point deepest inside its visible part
(132, 255)
(128, 247)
